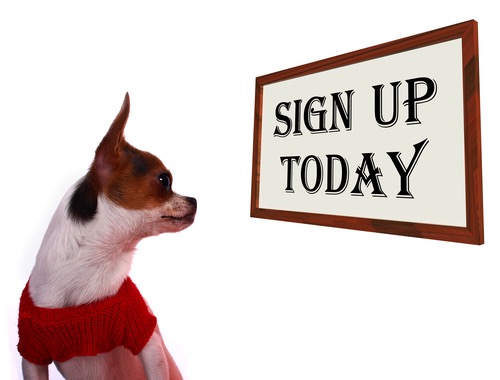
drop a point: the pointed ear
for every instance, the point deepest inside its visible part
(108, 152)
(111, 142)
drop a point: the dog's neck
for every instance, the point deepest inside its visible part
(79, 263)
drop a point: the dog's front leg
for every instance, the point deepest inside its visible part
(34, 371)
(153, 359)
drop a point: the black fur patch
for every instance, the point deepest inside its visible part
(140, 164)
(83, 203)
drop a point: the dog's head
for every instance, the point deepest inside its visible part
(123, 177)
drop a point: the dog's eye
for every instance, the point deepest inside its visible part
(165, 181)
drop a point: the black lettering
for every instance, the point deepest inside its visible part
(395, 105)
(344, 174)
(371, 178)
(404, 173)
(304, 174)
(310, 111)
(283, 119)
(345, 114)
(289, 171)
(414, 99)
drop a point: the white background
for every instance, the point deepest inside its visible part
(240, 298)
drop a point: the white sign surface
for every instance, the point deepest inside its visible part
(366, 140)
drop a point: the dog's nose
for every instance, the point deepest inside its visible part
(192, 201)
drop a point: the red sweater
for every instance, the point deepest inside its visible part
(47, 335)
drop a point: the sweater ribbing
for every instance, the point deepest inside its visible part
(47, 335)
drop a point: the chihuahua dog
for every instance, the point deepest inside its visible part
(79, 308)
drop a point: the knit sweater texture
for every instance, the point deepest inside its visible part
(47, 335)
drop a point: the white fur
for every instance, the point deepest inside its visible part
(83, 262)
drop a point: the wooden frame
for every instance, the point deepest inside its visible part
(308, 142)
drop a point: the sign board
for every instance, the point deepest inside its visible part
(384, 139)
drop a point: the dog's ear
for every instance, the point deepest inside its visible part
(107, 154)
(83, 202)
